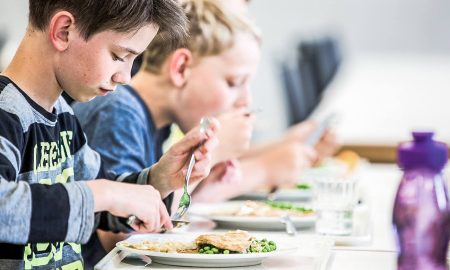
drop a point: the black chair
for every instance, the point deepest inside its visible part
(324, 56)
(301, 89)
(307, 75)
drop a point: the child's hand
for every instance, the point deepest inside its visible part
(168, 173)
(234, 135)
(124, 200)
(325, 147)
(285, 161)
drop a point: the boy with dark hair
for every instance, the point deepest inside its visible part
(85, 47)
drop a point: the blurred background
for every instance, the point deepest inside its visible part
(382, 66)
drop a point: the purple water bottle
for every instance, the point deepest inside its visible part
(421, 208)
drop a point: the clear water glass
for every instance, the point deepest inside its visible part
(334, 202)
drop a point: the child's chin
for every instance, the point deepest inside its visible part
(84, 98)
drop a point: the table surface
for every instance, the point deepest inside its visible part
(378, 185)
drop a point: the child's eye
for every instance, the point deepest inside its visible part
(231, 84)
(117, 58)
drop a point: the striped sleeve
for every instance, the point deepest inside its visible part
(37, 212)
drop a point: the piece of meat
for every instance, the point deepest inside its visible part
(233, 240)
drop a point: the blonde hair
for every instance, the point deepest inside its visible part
(212, 30)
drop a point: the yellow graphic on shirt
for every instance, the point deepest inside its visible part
(48, 157)
(51, 254)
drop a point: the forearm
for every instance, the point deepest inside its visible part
(159, 183)
(45, 213)
(259, 149)
(102, 194)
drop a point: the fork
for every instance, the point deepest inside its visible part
(290, 227)
(185, 200)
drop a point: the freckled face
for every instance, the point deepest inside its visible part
(219, 83)
(95, 67)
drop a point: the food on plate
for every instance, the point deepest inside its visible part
(351, 158)
(289, 206)
(256, 246)
(303, 186)
(344, 165)
(166, 247)
(232, 242)
(266, 209)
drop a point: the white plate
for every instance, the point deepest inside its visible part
(201, 260)
(246, 223)
(291, 195)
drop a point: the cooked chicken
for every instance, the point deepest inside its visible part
(166, 247)
(233, 240)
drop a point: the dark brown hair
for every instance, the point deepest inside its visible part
(93, 16)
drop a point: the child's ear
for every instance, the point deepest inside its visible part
(180, 66)
(61, 26)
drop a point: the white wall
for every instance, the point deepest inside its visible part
(14, 17)
(364, 26)
(13, 22)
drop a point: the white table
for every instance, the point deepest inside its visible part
(367, 260)
(378, 184)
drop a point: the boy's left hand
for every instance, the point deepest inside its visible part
(168, 173)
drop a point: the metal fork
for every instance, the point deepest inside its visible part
(290, 227)
(185, 200)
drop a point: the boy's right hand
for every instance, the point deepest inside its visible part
(124, 200)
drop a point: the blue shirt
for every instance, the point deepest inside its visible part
(120, 127)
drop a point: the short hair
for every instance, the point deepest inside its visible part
(212, 30)
(94, 16)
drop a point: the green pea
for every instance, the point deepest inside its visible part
(209, 252)
(226, 251)
(206, 248)
(215, 250)
(201, 250)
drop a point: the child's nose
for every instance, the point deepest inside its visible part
(122, 77)
(244, 99)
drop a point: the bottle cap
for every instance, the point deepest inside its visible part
(422, 152)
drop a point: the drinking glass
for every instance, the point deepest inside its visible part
(334, 202)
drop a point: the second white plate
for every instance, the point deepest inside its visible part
(291, 195)
(246, 223)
